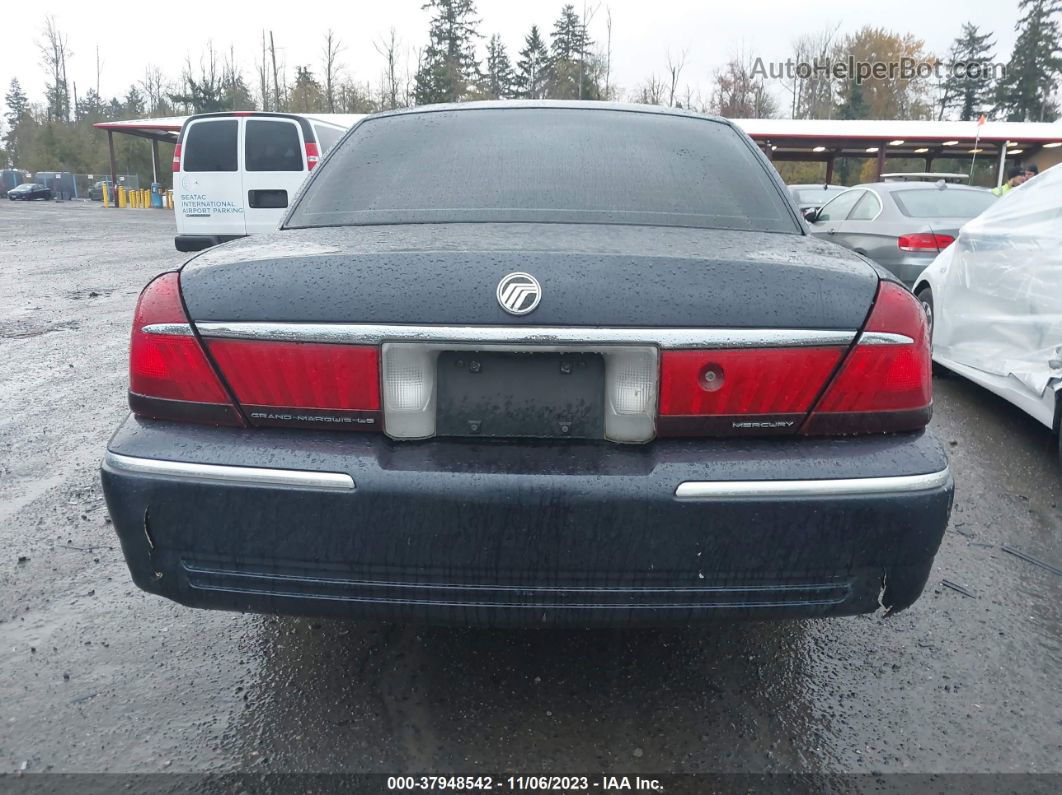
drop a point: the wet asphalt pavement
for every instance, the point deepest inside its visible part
(98, 676)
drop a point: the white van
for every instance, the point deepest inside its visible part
(235, 173)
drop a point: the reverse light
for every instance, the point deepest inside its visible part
(924, 242)
(169, 375)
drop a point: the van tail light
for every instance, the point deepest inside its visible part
(169, 375)
(302, 383)
(924, 242)
(313, 155)
(741, 391)
(176, 158)
(885, 383)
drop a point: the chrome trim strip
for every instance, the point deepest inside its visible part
(247, 476)
(177, 329)
(722, 489)
(884, 338)
(671, 338)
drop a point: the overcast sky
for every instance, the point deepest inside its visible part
(132, 35)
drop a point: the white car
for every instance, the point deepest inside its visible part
(994, 299)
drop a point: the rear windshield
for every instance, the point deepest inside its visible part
(544, 165)
(210, 146)
(272, 146)
(943, 203)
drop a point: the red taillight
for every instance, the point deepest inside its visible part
(177, 158)
(169, 375)
(301, 383)
(312, 155)
(741, 391)
(924, 241)
(885, 383)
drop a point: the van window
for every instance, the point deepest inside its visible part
(327, 137)
(210, 146)
(272, 146)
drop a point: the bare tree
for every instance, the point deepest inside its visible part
(276, 79)
(740, 92)
(262, 68)
(652, 91)
(154, 88)
(55, 49)
(674, 71)
(588, 16)
(608, 52)
(333, 46)
(813, 91)
(388, 48)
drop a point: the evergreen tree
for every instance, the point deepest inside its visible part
(569, 39)
(499, 78)
(531, 69)
(1024, 94)
(18, 113)
(448, 70)
(235, 94)
(134, 103)
(205, 93)
(306, 96)
(17, 104)
(853, 103)
(962, 90)
(569, 74)
(89, 106)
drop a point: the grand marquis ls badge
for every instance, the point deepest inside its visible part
(519, 293)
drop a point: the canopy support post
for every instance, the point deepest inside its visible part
(114, 166)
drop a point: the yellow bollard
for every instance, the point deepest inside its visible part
(169, 199)
(106, 196)
(145, 199)
(121, 196)
(132, 199)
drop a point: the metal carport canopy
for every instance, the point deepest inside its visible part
(792, 139)
(823, 140)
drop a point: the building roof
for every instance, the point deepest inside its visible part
(169, 127)
(163, 129)
(878, 130)
(788, 139)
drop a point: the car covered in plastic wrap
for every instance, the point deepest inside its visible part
(994, 299)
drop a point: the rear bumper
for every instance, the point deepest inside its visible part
(199, 242)
(310, 523)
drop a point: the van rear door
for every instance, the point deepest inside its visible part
(274, 167)
(209, 196)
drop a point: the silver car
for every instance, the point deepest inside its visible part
(902, 226)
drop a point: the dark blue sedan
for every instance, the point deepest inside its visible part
(532, 363)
